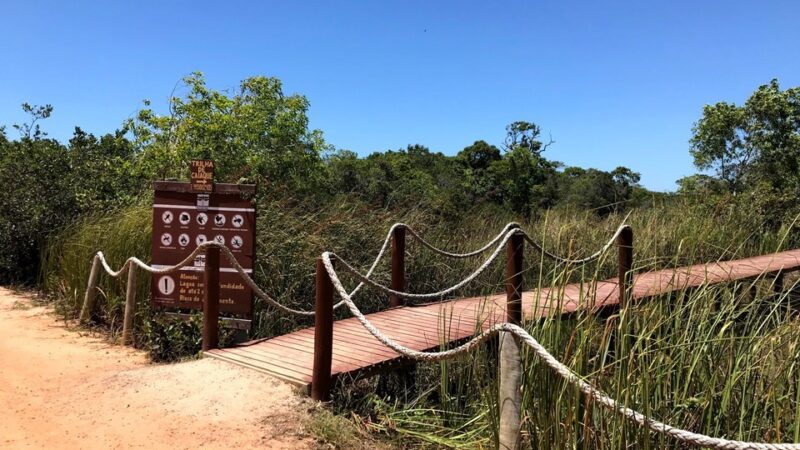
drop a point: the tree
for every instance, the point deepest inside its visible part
(256, 134)
(526, 176)
(522, 134)
(476, 160)
(700, 185)
(625, 182)
(31, 129)
(757, 142)
(37, 196)
(102, 171)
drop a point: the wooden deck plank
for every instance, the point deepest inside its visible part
(424, 327)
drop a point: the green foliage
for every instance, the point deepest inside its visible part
(171, 338)
(256, 134)
(47, 185)
(755, 147)
(36, 200)
(67, 259)
(520, 180)
(697, 358)
(413, 177)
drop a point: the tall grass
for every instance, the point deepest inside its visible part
(716, 359)
(721, 360)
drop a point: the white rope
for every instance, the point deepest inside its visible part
(585, 260)
(562, 370)
(364, 279)
(434, 249)
(511, 230)
(241, 270)
(499, 241)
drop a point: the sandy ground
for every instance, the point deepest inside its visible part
(63, 389)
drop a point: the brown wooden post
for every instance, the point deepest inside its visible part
(130, 306)
(510, 394)
(625, 244)
(91, 291)
(398, 265)
(211, 300)
(514, 251)
(323, 335)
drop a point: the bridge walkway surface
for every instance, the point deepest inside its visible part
(290, 357)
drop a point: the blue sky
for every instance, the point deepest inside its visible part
(613, 83)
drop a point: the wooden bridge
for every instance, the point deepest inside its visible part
(313, 357)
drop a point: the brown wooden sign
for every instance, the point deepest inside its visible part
(202, 175)
(183, 219)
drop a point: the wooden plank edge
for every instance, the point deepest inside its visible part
(293, 381)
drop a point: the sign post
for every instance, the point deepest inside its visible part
(185, 216)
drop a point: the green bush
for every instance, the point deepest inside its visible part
(171, 338)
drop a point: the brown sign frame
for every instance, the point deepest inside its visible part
(182, 219)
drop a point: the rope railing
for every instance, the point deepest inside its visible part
(511, 237)
(364, 279)
(685, 436)
(431, 247)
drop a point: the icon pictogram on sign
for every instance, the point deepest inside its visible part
(184, 218)
(202, 219)
(183, 240)
(166, 285)
(167, 217)
(237, 242)
(219, 239)
(219, 220)
(237, 221)
(200, 239)
(166, 239)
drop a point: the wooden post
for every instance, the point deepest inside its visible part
(625, 244)
(510, 395)
(514, 251)
(91, 291)
(398, 265)
(323, 335)
(211, 300)
(130, 306)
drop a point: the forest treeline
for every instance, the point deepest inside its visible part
(750, 155)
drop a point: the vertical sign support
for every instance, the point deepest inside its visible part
(398, 265)
(211, 299)
(323, 335)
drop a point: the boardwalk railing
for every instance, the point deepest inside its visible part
(512, 336)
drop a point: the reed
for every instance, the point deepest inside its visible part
(721, 360)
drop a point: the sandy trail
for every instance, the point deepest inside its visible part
(62, 389)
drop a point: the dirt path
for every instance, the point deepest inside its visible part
(61, 389)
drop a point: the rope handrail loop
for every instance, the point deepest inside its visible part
(593, 257)
(509, 230)
(433, 295)
(431, 247)
(557, 366)
(499, 241)
(189, 260)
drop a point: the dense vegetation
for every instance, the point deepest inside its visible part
(698, 360)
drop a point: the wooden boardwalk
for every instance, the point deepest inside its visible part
(355, 351)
